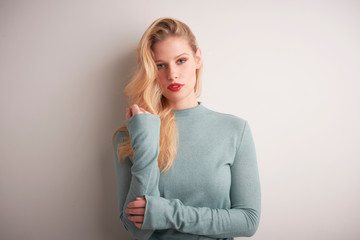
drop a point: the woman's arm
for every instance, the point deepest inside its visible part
(242, 219)
(139, 175)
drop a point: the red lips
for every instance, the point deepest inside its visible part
(175, 87)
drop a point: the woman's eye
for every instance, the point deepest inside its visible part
(160, 66)
(182, 60)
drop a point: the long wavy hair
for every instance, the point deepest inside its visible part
(144, 89)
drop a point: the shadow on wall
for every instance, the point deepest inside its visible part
(119, 73)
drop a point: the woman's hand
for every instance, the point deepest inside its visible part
(134, 109)
(136, 209)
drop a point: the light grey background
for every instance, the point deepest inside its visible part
(291, 68)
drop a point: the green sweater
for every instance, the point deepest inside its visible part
(212, 190)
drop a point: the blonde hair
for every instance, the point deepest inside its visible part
(144, 90)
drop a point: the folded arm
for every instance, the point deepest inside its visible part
(138, 175)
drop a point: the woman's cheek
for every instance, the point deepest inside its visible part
(161, 79)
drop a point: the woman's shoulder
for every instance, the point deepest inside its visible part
(227, 125)
(226, 118)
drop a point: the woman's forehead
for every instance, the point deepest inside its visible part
(171, 46)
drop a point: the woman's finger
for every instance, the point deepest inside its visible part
(135, 109)
(143, 110)
(138, 225)
(137, 204)
(138, 219)
(135, 211)
(128, 113)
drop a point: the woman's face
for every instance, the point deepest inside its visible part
(177, 64)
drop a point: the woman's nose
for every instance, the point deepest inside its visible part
(172, 74)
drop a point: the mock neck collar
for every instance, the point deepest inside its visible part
(189, 111)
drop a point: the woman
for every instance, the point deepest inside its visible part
(183, 171)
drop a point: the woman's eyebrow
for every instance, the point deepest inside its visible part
(174, 57)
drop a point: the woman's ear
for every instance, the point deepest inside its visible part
(198, 58)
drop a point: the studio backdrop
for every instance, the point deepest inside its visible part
(290, 68)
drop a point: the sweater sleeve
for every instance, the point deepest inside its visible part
(138, 175)
(242, 219)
